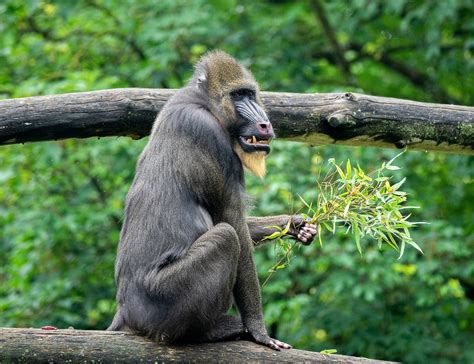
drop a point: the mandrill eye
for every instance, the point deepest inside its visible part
(242, 93)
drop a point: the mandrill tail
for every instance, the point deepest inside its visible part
(117, 323)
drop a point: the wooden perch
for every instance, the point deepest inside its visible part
(342, 118)
(79, 346)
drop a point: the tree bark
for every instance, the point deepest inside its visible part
(340, 118)
(79, 346)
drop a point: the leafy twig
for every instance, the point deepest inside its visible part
(365, 205)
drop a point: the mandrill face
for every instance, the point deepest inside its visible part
(253, 131)
(235, 102)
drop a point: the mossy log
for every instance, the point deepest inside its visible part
(79, 346)
(335, 118)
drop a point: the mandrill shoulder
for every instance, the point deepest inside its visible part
(190, 120)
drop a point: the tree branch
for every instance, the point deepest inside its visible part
(320, 14)
(339, 118)
(416, 77)
(127, 39)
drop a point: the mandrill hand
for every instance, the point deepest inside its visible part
(302, 230)
(266, 340)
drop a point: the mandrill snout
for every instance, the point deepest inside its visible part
(265, 128)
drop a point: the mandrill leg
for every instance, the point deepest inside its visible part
(226, 328)
(197, 289)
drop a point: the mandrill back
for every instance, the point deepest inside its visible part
(184, 170)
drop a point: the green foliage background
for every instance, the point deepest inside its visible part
(61, 202)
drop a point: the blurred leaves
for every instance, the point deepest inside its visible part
(61, 202)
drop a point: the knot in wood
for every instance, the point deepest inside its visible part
(349, 96)
(400, 144)
(340, 120)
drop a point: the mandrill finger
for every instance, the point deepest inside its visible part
(267, 341)
(307, 234)
(310, 230)
(309, 227)
(302, 238)
(271, 343)
(281, 344)
(274, 346)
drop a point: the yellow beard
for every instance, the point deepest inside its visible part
(254, 162)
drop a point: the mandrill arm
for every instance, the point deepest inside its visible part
(300, 229)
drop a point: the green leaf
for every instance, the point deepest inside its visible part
(415, 245)
(275, 235)
(402, 249)
(328, 351)
(346, 209)
(357, 238)
(341, 173)
(391, 160)
(305, 203)
(287, 227)
(396, 186)
(319, 236)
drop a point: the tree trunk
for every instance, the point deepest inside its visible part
(342, 118)
(79, 346)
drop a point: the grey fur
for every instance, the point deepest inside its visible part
(185, 251)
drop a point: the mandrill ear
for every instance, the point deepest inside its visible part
(202, 81)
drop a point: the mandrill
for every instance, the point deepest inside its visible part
(185, 251)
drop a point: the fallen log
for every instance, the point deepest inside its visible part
(337, 118)
(79, 346)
